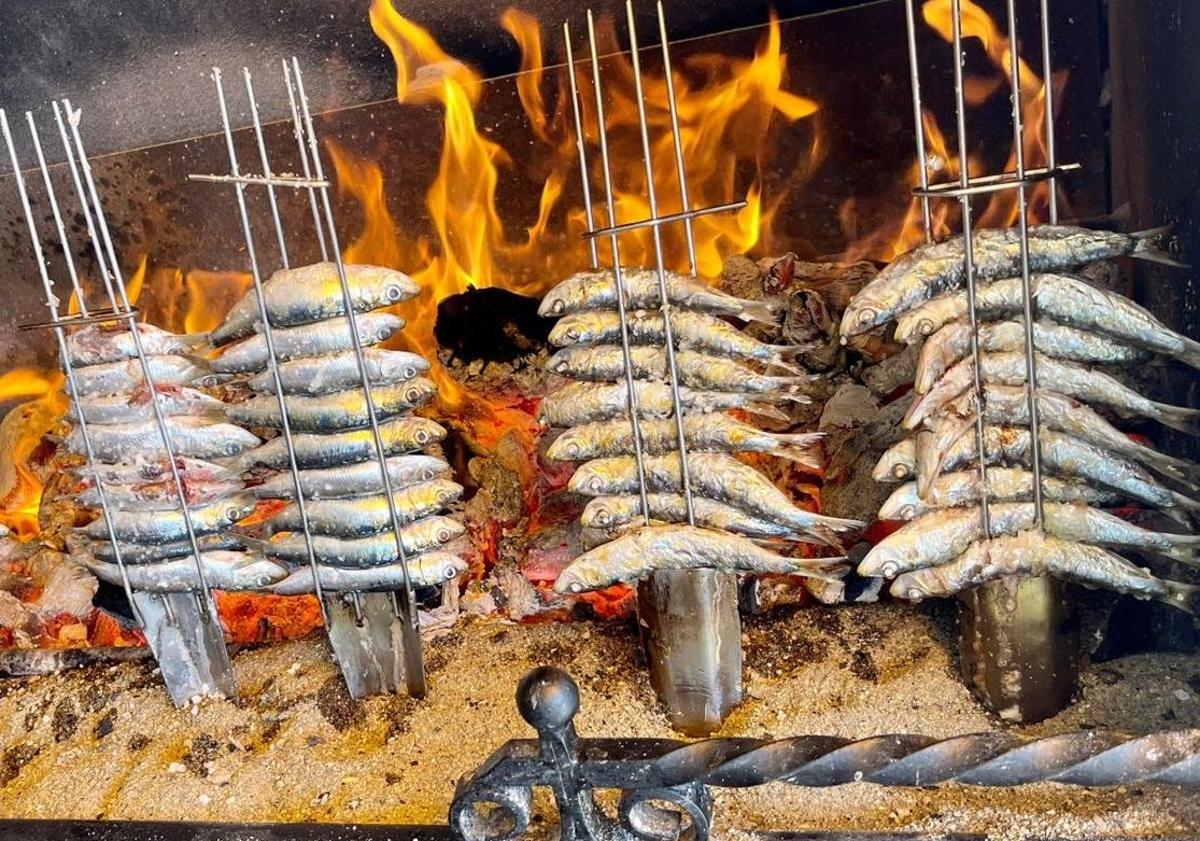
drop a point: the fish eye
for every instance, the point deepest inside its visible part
(907, 512)
(868, 316)
(573, 448)
(595, 484)
(558, 307)
(915, 594)
(393, 293)
(575, 587)
(233, 514)
(572, 334)
(603, 517)
(422, 437)
(889, 570)
(382, 333)
(900, 471)
(427, 474)
(560, 365)
(449, 573)
(443, 535)
(925, 326)
(412, 394)
(410, 371)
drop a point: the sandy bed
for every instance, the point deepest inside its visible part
(105, 742)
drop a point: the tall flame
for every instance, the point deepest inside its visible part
(23, 434)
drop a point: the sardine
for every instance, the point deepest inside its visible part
(355, 479)
(639, 553)
(1061, 453)
(579, 403)
(691, 330)
(96, 344)
(141, 470)
(952, 344)
(371, 551)
(426, 570)
(127, 374)
(1076, 381)
(708, 432)
(400, 435)
(931, 269)
(940, 536)
(606, 363)
(1061, 298)
(361, 515)
(149, 553)
(1005, 484)
(343, 410)
(172, 400)
(314, 293)
(170, 526)
(324, 374)
(597, 290)
(1032, 553)
(156, 496)
(1009, 405)
(196, 438)
(230, 571)
(609, 513)
(715, 476)
(310, 340)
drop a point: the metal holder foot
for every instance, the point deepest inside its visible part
(190, 650)
(371, 652)
(1018, 647)
(693, 640)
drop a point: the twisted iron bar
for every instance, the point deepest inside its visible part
(651, 773)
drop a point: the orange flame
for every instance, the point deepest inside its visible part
(25, 428)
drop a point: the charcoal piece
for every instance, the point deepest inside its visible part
(491, 324)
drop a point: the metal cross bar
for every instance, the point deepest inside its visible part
(404, 601)
(997, 183)
(260, 298)
(269, 181)
(685, 216)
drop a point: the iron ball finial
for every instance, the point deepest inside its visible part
(548, 698)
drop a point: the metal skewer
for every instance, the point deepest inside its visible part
(581, 150)
(59, 332)
(405, 601)
(610, 203)
(260, 298)
(914, 74)
(1048, 75)
(681, 170)
(668, 332)
(306, 167)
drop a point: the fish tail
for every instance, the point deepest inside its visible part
(1186, 597)
(801, 448)
(1182, 554)
(764, 312)
(789, 367)
(198, 341)
(765, 411)
(1191, 352)
(839, 524)
(801, 457)
(1179, 418)
(1146, 247)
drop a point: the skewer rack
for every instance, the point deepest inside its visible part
(689, 618)
(375, 636)
(182, 629)
(1011, 647)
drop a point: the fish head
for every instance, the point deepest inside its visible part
(914, 586)
(575, 329)
(578, 578)
(903, 504)
(418, 391)
(566, 447)
(588, 479)
(602, 513)
(879, 562)
(897, 464)
(446, 530)
(554, 304)
(238, 506)
(401, 365)
(559, 363)
(864, 314)
(448, 492)
(379, 326)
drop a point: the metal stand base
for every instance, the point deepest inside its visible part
(371, 655)
(693, 640)
(190, 651)
(1019, 648)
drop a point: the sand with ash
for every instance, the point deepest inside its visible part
(104, 742)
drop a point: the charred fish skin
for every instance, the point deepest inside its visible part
(712, 432)
(337, 412)
(339, 371)
(309, 340)
(931, 269)
(366, 515)
(194, 438)
(371, 551)
(952, 344)
(597, 290)
(358, 479)
(639, 553)
(314, 293)
(606, 363)
(170, 526)
(1063, 299)
(691, 330)
(230, 571)
(427, 570)
(401, 435)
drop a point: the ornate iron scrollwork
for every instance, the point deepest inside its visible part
(664, 783)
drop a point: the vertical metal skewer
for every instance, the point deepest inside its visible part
(681, 169)
(405, 601)
(580, 148)
(914, 73)
(60, 333)
(306, 167)
(610, 201)
(964, 179)
(1048, 76)
(205, 598)
(260, 297)
(668, 332)
(1035, 449)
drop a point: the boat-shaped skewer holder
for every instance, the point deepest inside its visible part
(182, 629)
(375, 636)
(1014, 651)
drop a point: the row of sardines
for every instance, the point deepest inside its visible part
(235, 462)
(742, 521)
(1087, 340)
